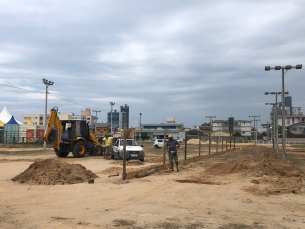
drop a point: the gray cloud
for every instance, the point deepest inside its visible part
(183, 59)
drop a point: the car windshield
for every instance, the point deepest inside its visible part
(130, 142)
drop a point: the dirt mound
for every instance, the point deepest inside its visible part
(52, 172)
(112, 171)
(225, 168)
(194, 141)
(268, 174)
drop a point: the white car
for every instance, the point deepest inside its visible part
(179, 140)
(159, 143)
(133, 150)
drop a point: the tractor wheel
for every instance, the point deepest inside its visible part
(61, 153)
(97, 150)
(79, 149)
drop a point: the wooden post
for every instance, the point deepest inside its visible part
(230, 141)
(226, 144)
(217, 144)
(222, 144)
(164, 147)
(234, 141)
(124, 155)
(199, 142)
(185, 143)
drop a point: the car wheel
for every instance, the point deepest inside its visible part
(156, 146)
(142, 160)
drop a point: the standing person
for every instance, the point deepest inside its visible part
(172, 145)
(104, 145)
(109, 146)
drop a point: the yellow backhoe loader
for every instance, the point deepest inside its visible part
(71, 136)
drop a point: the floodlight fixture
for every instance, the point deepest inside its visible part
(287, 67)
(47, 83)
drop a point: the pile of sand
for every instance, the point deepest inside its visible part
(52, 172)
(194, 141)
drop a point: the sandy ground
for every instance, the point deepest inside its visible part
(196, 197)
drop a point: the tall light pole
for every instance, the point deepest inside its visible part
(275, 119)
(47, 83)
(95, 119)
(210, 137)
(287, 67)
(140, 126)
(111, 103)
(255, 131)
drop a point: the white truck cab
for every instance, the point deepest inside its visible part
(133, 150)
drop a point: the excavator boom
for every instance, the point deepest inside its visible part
(53, 130)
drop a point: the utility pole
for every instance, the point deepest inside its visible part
(111, 103)
(140, 126)
(287, 67)
(210, 137)
(47, 83)
(275, 116)
(255, 131)
(95, 119)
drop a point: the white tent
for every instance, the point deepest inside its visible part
(5, 116)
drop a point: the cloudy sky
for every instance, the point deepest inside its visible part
(182, 59)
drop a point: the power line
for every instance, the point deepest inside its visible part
(20, 88)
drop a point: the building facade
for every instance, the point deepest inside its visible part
(293, 115)
(38, 119)
(231, 125)
(156, 131)
(101, 129)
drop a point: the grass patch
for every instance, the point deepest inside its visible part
(298, 146)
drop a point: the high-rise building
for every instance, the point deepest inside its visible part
(119, 118)
(125, 115)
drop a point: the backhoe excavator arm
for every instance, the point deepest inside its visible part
(53, 134)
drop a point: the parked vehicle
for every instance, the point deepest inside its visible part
(70, 136)
(159, 143)
(180, 140)
(133, 150)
